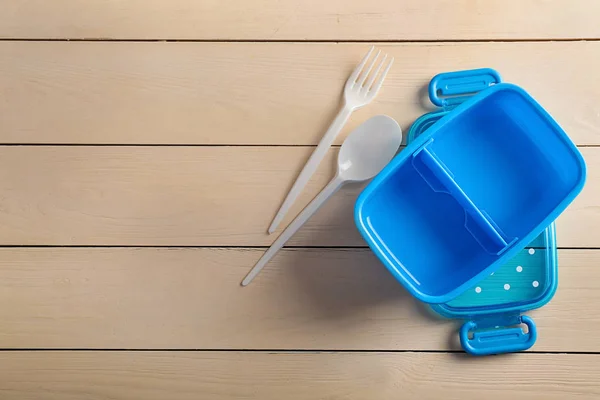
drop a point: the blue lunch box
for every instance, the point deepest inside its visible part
(492, 309)
(480, 179)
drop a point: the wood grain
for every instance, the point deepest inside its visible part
(333, 299)
(228, 376)
(327, 323)
(258, 93)
(194, 196)
(300, 20)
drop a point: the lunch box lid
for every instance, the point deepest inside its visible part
(450, 171)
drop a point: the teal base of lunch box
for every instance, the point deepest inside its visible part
(473, 190)
(492, 308)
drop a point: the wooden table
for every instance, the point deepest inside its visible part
(146, 145)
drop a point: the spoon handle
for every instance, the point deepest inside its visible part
(296, 224)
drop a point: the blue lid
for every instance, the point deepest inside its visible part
(470, 193)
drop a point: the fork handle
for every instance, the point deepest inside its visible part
(312, 164)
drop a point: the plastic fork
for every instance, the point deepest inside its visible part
(358, 92)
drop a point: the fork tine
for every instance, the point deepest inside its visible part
(364, 74)
(381, 78)
(360, 66)
(367, 87)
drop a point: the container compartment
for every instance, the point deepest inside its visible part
(432, 241)
(470, 193)
(502, 153)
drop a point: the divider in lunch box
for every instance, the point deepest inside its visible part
(448, 90)
(479, 224)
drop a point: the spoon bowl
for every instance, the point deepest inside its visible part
(369, 148)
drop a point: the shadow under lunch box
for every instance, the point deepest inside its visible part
(463, 217)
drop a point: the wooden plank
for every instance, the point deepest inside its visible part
(342, 299)
(228, 376)
(258, 93)
(304, 20)
(196, 196)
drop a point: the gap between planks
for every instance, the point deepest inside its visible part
(314, 41)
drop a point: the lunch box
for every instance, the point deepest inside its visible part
(463, 217)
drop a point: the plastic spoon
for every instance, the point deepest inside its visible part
(364, 153)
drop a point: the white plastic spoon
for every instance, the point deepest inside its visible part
(364, 153)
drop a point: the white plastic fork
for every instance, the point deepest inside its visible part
(357, 94)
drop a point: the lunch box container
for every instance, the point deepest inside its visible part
(463, 217)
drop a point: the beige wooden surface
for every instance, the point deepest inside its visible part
(194, 196)
(138, 174)
(300, 20)
(243, 375)
(309, 299)
(259, 93)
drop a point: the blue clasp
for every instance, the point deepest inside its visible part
(449, 89)
(499, 339)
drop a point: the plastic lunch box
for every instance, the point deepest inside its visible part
(451, 215)
(528, 281)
